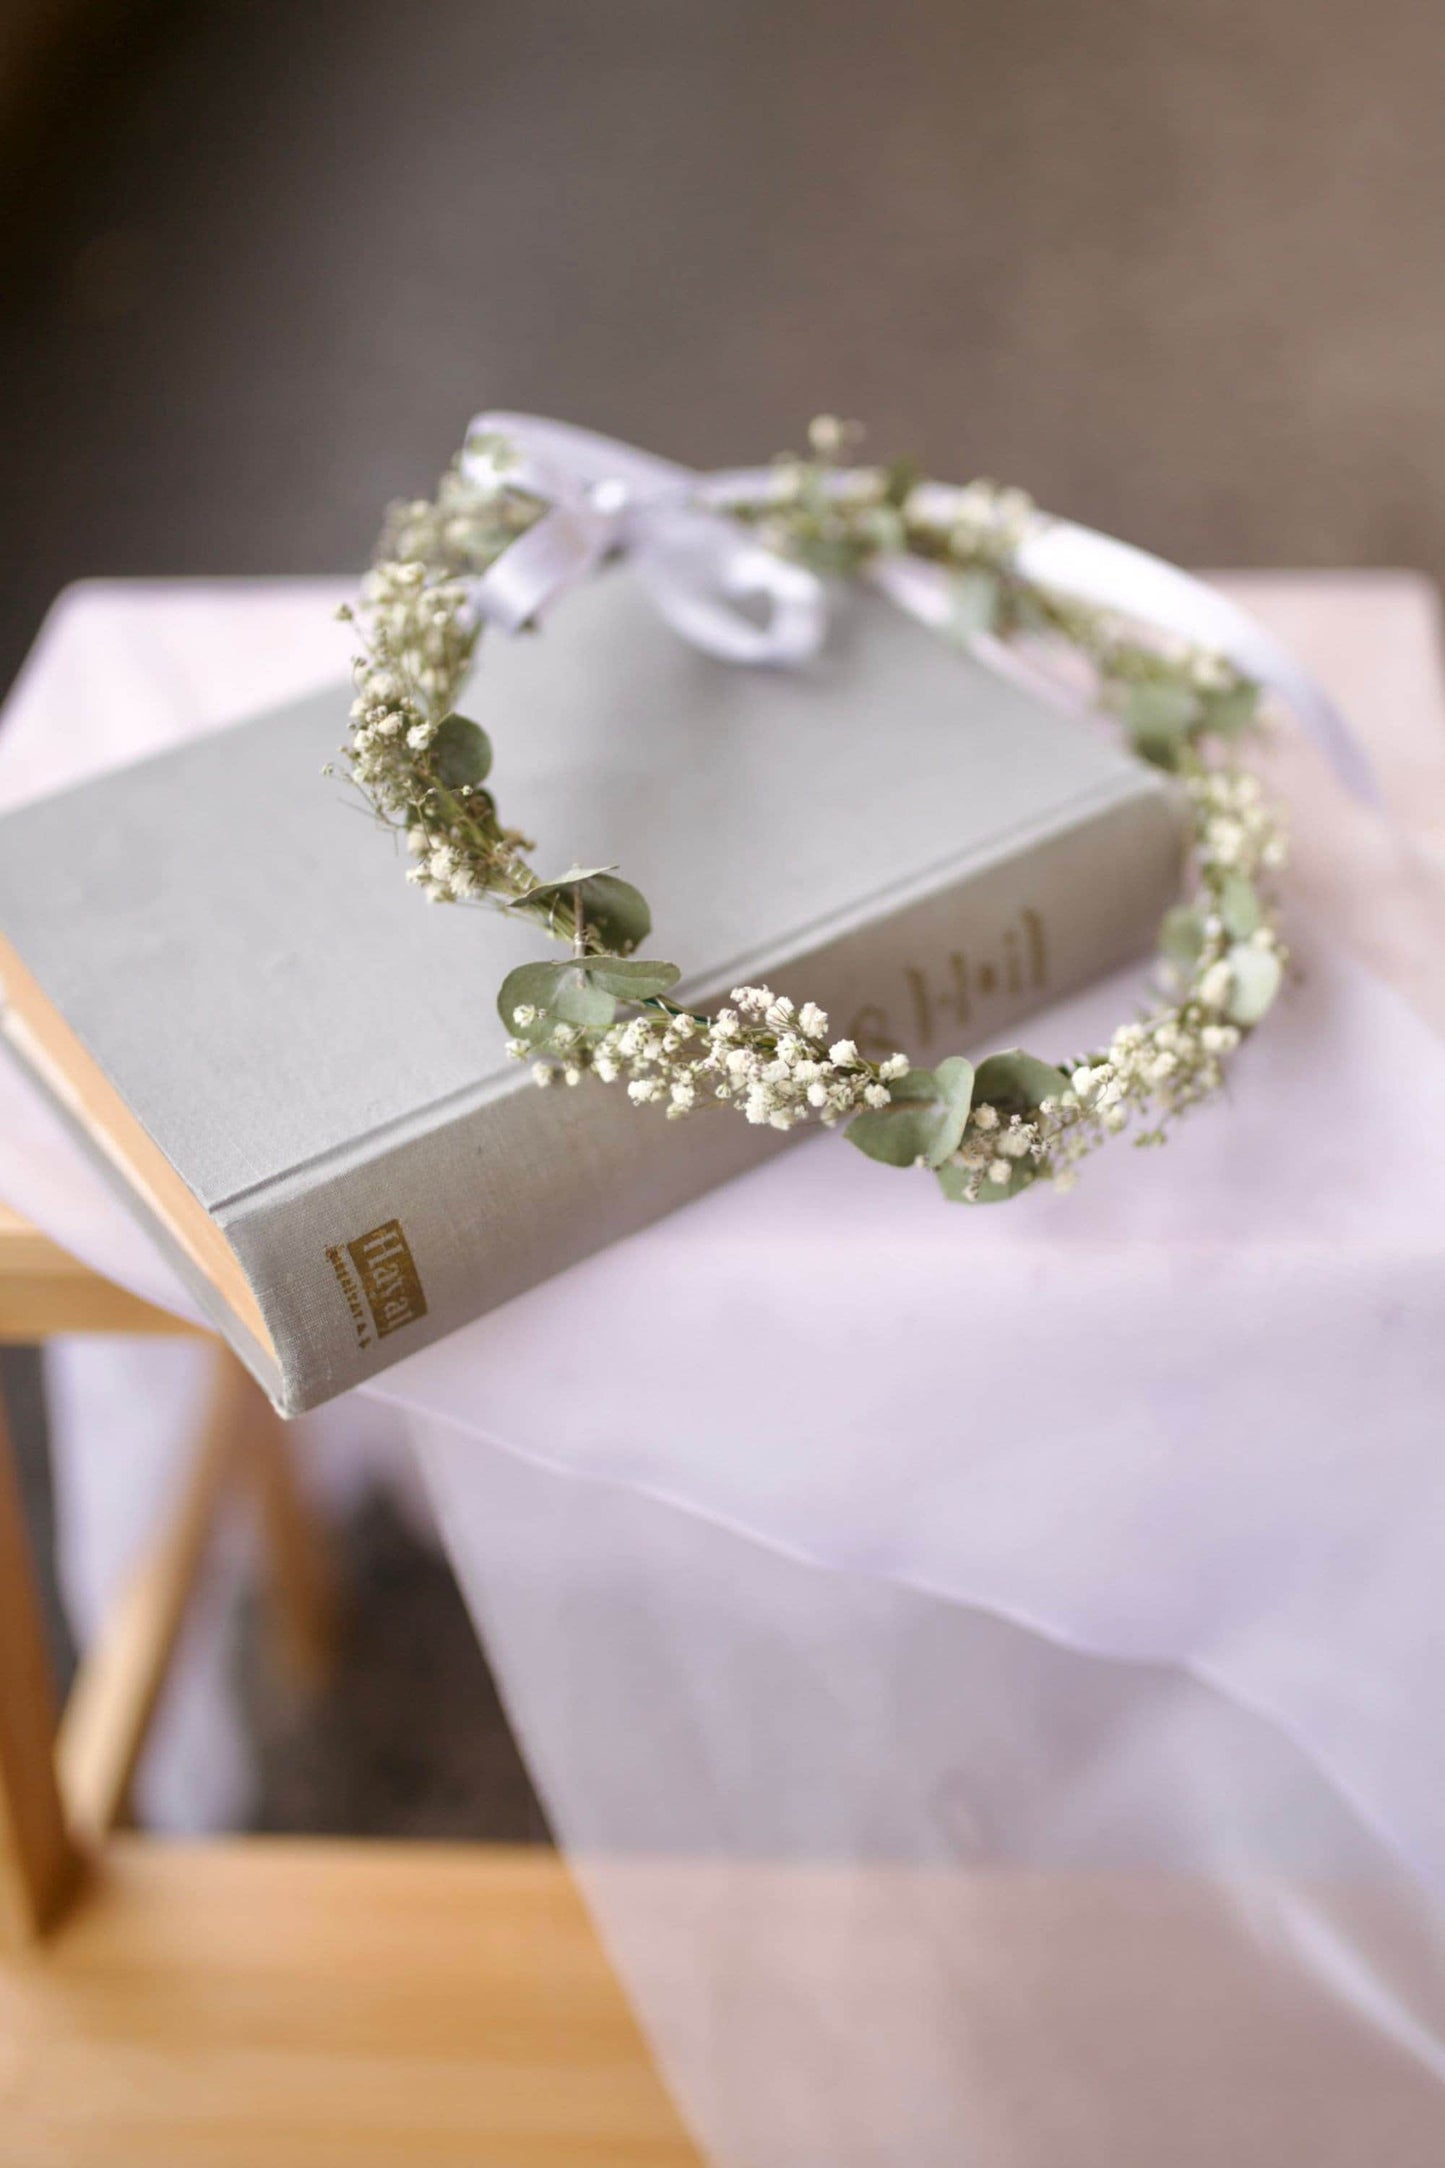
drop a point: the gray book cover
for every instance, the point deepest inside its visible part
(293, 1062)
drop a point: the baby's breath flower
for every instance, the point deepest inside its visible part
(1214, 988)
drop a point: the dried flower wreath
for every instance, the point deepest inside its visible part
(511, 526)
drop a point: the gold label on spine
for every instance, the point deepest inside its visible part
(389, 1279)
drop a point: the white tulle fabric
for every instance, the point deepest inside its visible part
(982, 1665)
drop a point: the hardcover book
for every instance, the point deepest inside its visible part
(292, 1064)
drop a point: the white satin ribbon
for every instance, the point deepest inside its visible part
(605, 497)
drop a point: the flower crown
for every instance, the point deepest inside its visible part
(530, 507)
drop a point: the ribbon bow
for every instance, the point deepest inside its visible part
(604, 497)
(701, 566)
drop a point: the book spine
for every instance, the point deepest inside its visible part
(361, 1262)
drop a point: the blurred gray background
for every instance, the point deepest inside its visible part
(1174, 266)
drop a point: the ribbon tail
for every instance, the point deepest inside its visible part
(1116, 576)
(551, 557)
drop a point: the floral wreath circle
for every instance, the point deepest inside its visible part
(986, 1132)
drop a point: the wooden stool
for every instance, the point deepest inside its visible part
(263, 1999)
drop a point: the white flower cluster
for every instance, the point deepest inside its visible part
(995, 1147)
(1206, 671)
(421, 633)
(470, 521)
(1158, 1068)
(444, 869)
(764, 1055)
(1236, 831)
(418, 650)
(989, 523)
(422, 644)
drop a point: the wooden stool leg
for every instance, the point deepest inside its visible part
(113, 1699)
(38, 1862)
(300, 1579)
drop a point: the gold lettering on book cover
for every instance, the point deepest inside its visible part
(389, 1278)
(954, 993)
(346, 1281)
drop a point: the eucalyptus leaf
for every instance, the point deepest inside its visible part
(460, 752)
(832, 555)
(582, 999)
(1256, 976)
(1023, 1173)
(1160, 704)
(616, 912)
(953, 1181)
(883, 529)
(1230, 712)
(955, 1081)
(1181, 937)
(560, 993)
(1017, 1083)
(975, 604)
(1158, 715)
(562, 885)
(1022, 612)
(530, 986)
(925, 1119)
(899, 1135)
(914, 1084)
(635, 978)
(612, 908)
(1160, 749)
(1239, 906)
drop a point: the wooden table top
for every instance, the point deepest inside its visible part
(341, 2005)
(44, 1290)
